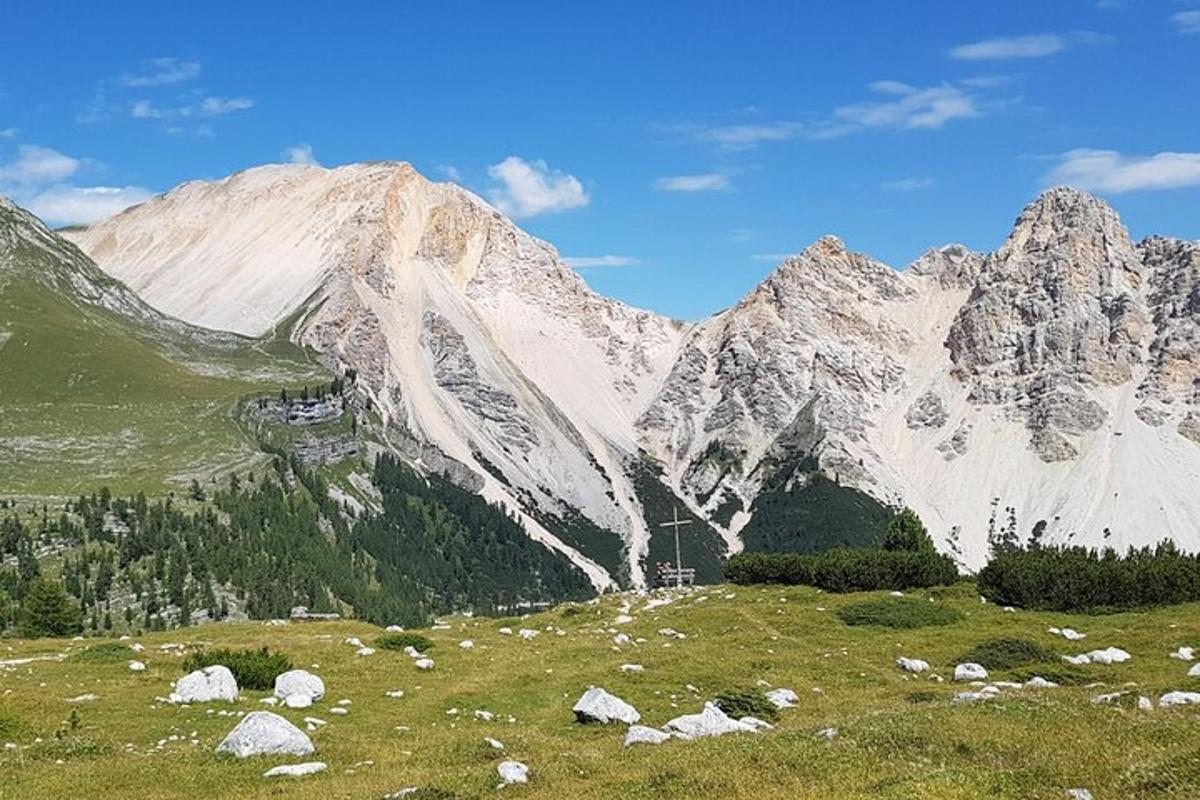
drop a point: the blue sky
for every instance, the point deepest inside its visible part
(674, 149)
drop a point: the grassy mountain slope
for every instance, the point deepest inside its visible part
(100, 389)
(898, 736)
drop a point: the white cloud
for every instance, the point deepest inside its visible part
(8, 133)
(450, 171)
(300, 154)
(745, 137)
(163, 71)
(913, 107)
(36, 165)
(526, 189)
(1110, 171)
(1034, 45)
(37, 179)
(907, 184)
(71, 205)
(208, 107)
(586, 262)
(707, 182)
(1187, 21)
(1031, 46)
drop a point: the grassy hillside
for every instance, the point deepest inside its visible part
(898, 736)
(99, 389)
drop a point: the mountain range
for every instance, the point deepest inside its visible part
(1046, 389)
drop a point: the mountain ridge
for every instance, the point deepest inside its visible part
(955, 385)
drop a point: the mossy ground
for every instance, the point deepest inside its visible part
(899, 736)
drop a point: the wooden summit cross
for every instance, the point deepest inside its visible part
(675, 523)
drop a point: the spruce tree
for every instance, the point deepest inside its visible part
(47, 610)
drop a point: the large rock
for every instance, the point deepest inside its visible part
(205, 686)
(640, 734)
(1179, 699)
(782, 698)
(513, 772)
(265, 733)
(712, 721)
(597, 705)
(912, 664)
(299, 683)
(970, 672)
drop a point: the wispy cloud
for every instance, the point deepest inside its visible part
(162, 72)
(706, 182)
(1033, 45)
(8, 133)
(588, 262)
(907, 184)
(523, 189)
(450, 171)
(896, 106)
(39, 179)
(771, 256)
(300, 154)
(207, 107)
(1110, 171)
(1186, 21)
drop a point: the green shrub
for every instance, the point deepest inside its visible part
(253, 669)
(1077, 579)
(898, 612)
(1009, 653)
(924, 696)
(10, 724)
(399, 641)
(104, 651)
(845, 570)
(746, 703)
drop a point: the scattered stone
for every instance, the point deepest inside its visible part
(137, 666)
(295, 770)
(300, 684)
(340, 711)
(1184, 654)
(1079, 794)
(466, 644)
(394, 629)
(1179, 699)
(970, 671)
(486, 716)
(83, 698)
(1194, 672)
(912, 664)
(265, 733)
(1110, 655)
(366, 651)
(757, 724)
(827, 733)
(632, 668)
(395, 694)
(527, 633)
(597, 705)
(513, 772)
(297, 701)
(423, 663)
(1068, 633)
(782, 698)
(712, 721)
(640, 734)
(1038, 682)
(210, 684)
(495, 744)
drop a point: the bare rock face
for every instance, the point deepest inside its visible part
(1056, 310)
(927, 412)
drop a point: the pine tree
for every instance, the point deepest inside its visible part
(47, 610)
(907, 532)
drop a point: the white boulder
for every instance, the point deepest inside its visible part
(712, 721)
(205, 686)
(912, 664)
(1179, 699)
(423, 663)
(513, 772)
(782, 698)
(295, 770)
(640, 734)
(632, 668)
(1185, 654)
(265, 733)
(1109, 655)
(137, 666)
(299, 683)
(970, 671)
(1194, 672)
(597, 705)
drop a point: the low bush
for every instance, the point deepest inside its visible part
(252, 669)
(1073, 579)
(845, 570)
(399, 641)
(1009, 653)
(104, 651)
(746, 703)
(9, 724)
(898, 612)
